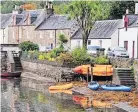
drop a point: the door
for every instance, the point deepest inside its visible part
(126, 45)
(133, 49)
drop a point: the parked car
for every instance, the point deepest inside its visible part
(117, 52)
(92, 49)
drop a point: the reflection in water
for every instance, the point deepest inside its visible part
(15, 97)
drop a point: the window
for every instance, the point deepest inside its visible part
(89, 42)
(13, 34)
(126, 45)
(51, 45)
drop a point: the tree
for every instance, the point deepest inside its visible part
(27, 45)
(86, 13)
(119, 8)
(62, 40)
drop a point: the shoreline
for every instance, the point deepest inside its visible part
(83, 90)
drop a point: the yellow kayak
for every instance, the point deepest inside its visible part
(61, 87)
(61, 91)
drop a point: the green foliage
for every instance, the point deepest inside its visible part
(80, 56)
(62, 40)
(86, 13)
(119, 8)
(101, 60)
(27, 45)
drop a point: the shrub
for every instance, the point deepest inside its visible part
(80, 56)
(62, 40)
(101, 60)
(27, 45)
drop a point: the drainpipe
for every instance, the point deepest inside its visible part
(3, 36)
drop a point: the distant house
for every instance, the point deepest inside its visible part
(128, 37)
(41, 27)
(104, 33)
(6, 20)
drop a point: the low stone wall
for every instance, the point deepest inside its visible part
(3, 62)
(49, 69)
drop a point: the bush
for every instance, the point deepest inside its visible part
(101, 60)
(27, 45)
(80, 56)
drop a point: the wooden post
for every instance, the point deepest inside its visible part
(91, 74)
(87, 73)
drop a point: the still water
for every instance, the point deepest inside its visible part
(17, 97)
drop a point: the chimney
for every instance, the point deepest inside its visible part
(14, 19)
(15, 10)
(49, 8)
(28, 19)
(126, 22)
(136, 8)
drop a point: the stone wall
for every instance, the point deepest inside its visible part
(49, 69)
(3, 62)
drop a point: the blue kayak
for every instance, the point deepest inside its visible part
(93, 85)
(114, 87)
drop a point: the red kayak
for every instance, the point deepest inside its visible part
(11, 74)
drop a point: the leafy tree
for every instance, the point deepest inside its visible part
(86, 13)
(62, 40)
(119, 8)
(27, 45)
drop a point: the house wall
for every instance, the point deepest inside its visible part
(106, 43)
(4, 32)
(130, 35)
(43, 38)
(114, 39)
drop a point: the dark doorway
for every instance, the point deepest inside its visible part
(126, 45)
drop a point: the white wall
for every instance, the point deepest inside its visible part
(114, 39)
(106, 43)
(130, 35)
(5, 33)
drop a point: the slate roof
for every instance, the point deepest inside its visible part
(56, 22)
(5, 20)
(33, 13)
(101, 29)
(133, 20)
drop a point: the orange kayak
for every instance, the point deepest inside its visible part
(61, 87)
(61, 91)
(98, 70)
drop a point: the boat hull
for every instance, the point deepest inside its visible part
(11, 74)
(116, 88)
(93, 85)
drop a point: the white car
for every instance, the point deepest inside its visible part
(117, 52)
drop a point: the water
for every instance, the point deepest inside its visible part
(16, 96)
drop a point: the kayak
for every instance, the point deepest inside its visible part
(114, 87)
(61, 87)
(93, 85)
(61, 91)
(97, 70)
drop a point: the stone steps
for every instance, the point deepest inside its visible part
(125, 76)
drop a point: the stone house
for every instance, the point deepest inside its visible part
(42, 27)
